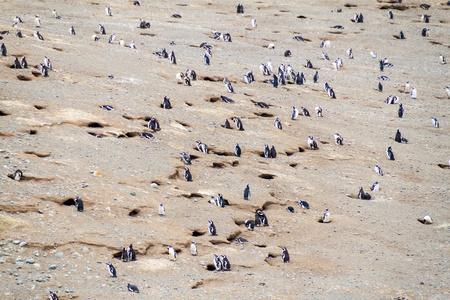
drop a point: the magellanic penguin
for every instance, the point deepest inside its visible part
(79, 204)
(442, 58)
(166, 103)
(312, 143)
(294, 113)
(131, 253)
(375, 187)
(362, 195)
(53, 296)
(186, 158)
(247, 192)
(173, 58)
(284, 255)
(326, 216)
(217, 263)
(124, 255)
(193, 249)
(447, 89)
(316, 77)
(228, 85)
(108, 11)
(237, 150)
(219, 201)
(319, 111)
(260, 218)
(305, 112)
(111, 269)
(206, 59)
(238, 123)
(435, 122)
(101, 28)
(172, 253)
(3, 49)
(350, 53)
(226, 266)
(187, 174)
(132, 288)
(389, 153)
(38, 35)
(413, 93)
(37, 21)
(266, 151)
(111, 38)
(398, 136)
(277, 124)
(17, 175)
(378, 170)
(211, 228)
(254, 23)
(227, 124)
(202, 147)
(400, 110)
(72, 30)
(426, 220)
(303, 204)
(273, 152)
(338, 139)
(161, 209)
(153, 124)
(250, 224)
(133, 45)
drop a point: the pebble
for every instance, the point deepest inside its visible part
(153, 185)
(85, 249)
(16, 242)
(2, 260)
(22, 244)
(133, 193)
(59, 254)
(40, 211)
(52, 267)
(30, 261)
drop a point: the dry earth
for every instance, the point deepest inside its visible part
(55, 132)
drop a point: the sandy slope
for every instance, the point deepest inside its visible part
(48, 126)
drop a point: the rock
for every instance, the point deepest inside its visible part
(40, 211)
(16, 242)
(52, 267)
(85, 249)
(19, 259)
(133, 193)
(30, 261)
(59, 255)
(2, 260)
(22, 244)
(153, 185)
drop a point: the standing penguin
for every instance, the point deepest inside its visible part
(79, 204)
(111, 269)
(211, 228)
(284, 255)
(247, 192)
(187, 174)
(124, 255)
(172, 253)
(326, 217)
(217, 263)
(389, 153)
(161, 210)
(237, 150)
(131, 253)
(226, 266)
(400, 110)
(193, 249)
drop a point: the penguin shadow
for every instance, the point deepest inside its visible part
(148, 34)
(192, 195)
(3, 113)
(394, 7)
(24, 78)
(212, 99)
(188, 104)
(445, 167)
(211, 78)
(270, 258)
(350, 5)
(263, 114)
(184, 124)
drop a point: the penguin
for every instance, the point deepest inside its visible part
(187, 81)
(398, 136)
(275, 81)
(284, 255)
(111, 269)
(17, 19)
(407, 87)
(241, 240)
(373, 54)
(375, 186)
(146, 135)
(273, 152)
(79, 204)
(305, 112)
(435, 122)
(309, 64)
(133, 45)
(338, 139)
(294, 113)
(331, 93)
(17, 175)
(350, 53)
(161, 210)
(132, 288)
(401, 35)
(44, 70)
(362, 195)
(238, 123)
(172, 253)
(237, 150)
(381, 65)
(124, 255)
(217, 263)
(137, 3)
(447, 89)
(426, 220)
(247, 79)
(390, 14)
(378, 170)
(413, 93)
(312, 143)
(303, 204)
(72, 30)
(193, 249)
(131, 253)
(325, 56)
(316, 77)
(226, 266)
(206, 59)
(108, 11)
(277, 124)
(442, 58)
(38, 35)
(326, 217)
(18, 33)
(227, 124)
(202, 147)
(102, 30)
(264, 70)
(191, 74)
(228, 85)
(166, 103)
(16, 64)
(95, 38)
(380, 87)
(260, 218)
(425, 32)
(400, 110)
(37, 21)
(250, 224)
(111, 38)
(54, 13)
(143, 24)
(53, 296)
(186, 158)
(254, 23)
(3, 49)
(325, 44)
(122, 43)
(240, 9)
(247, 192)
(172, 58)
(211, 228)
(267, 151)
(153, 124)
(389, 153)
(319, 111)
(219, 201)
(187, 174)
(290, 209)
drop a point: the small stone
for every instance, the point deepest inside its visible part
(88, 268)
(19, 259)
(40, 211)
(59, 254)
(52, 267)
(2, 260)
(22, 244)
(30, 261)
(16, 242)
(73, 271)
(9, 271)
(85, 249)
(153, 185)
(133, 193)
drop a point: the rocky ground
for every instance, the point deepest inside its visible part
(53, 129)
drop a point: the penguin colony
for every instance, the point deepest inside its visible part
(279, 77)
